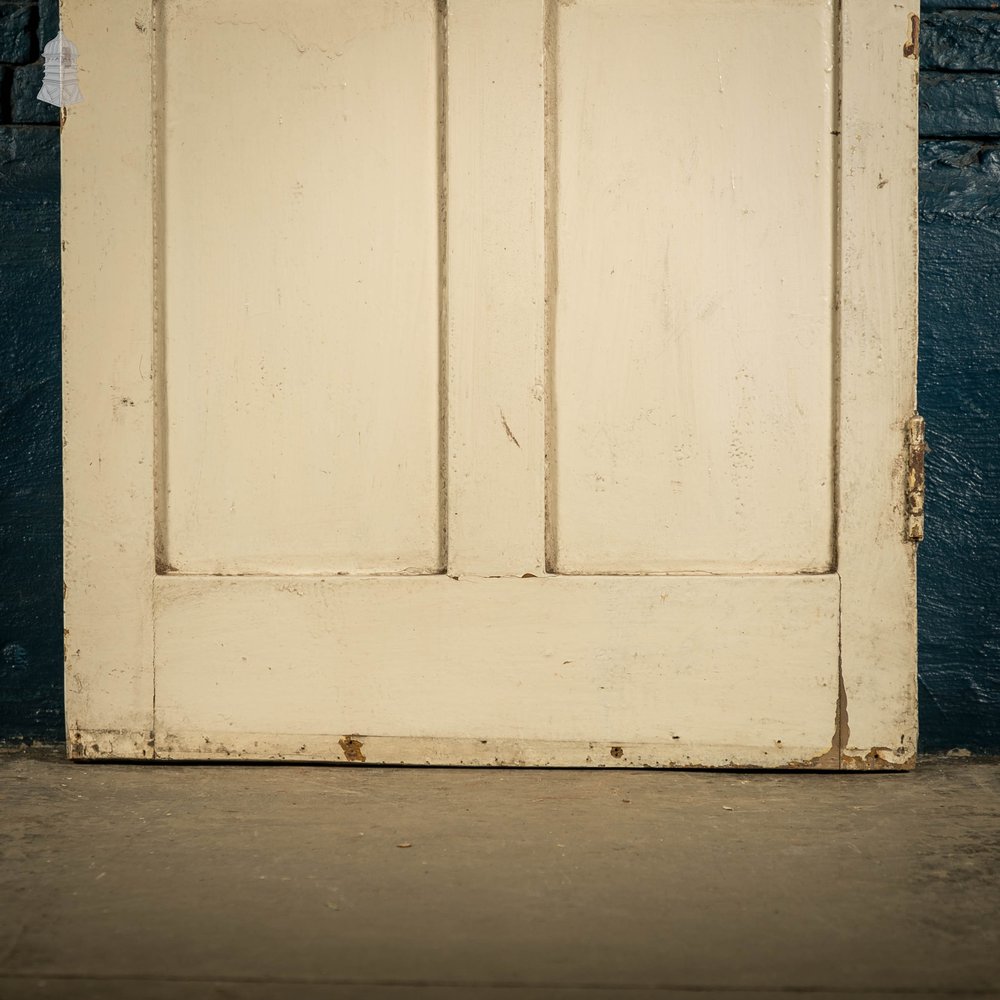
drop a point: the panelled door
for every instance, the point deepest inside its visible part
(491, 381)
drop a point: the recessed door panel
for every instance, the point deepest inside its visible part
(693, 337)
(298, 182)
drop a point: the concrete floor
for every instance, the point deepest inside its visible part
(163, 881)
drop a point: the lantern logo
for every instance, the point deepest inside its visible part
(59, 84)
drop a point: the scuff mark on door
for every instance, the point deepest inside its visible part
(507, 430)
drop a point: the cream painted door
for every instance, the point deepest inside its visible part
(491, 381)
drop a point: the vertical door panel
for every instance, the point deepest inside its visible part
(298, 173)
(693, 341)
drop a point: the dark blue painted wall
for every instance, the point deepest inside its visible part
(30, 476)
(959, 385)
(959, 378)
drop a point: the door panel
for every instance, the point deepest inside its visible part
(694, 326)
(606, 661)
(298, 170)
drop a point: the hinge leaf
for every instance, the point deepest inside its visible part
(916, 448)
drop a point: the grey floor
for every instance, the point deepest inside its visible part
(162, 881)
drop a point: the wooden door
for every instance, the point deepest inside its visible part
(491, 381)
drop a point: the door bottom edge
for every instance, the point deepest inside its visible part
(422, 751)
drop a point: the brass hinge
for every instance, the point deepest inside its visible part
(916, 448)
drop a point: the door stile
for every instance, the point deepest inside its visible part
(108, 385)
(877, 343)
(496, 392)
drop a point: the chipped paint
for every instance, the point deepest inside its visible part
(351, 746)
(879, 759)
(911, 47)
(99, 744)
(475, 752)
(841, 756)
(830, 760)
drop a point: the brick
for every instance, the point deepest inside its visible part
(959, 104)
(5, 85)
(17, 40)
(960, 179)
(25, 108)
(48, 22)
(929, 5)
(29, 165)
(960, 40)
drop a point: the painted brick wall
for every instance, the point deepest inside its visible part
(959, 378)
(959, 573)
(30, 476)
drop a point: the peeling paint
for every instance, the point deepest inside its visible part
(100, 744)
(351, 746)
(879, 759)
(832, 759)
(911, 47)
